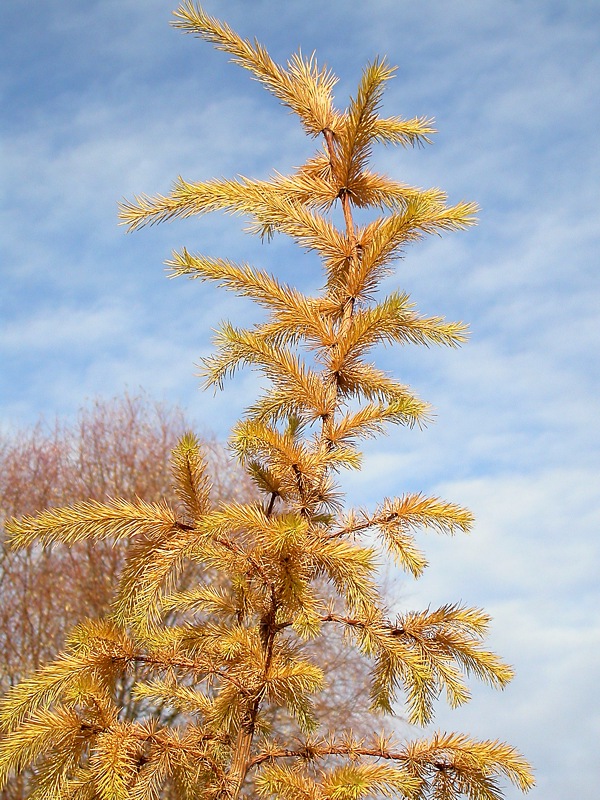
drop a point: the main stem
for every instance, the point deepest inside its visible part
(242, 760)
(349, 301)
(241, 755)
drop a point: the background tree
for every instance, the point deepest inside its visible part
(119, 448)
(116, 448)
(235, 650)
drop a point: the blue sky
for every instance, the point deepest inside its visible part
(102, 100)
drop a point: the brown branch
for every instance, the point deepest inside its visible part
(187, 664)
(357, 623)
(200, 755)
(350, 529)
(269, 510)
(345, 200)
(387, 627)
(373, 522)
(310, 752)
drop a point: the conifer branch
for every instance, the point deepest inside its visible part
(427, 762)
(117, 519)
(303, 87)
(407, 132)
(288, 562)
(191, 481)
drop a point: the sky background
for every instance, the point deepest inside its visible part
(102, 100)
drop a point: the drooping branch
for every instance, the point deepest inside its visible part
(474, 764)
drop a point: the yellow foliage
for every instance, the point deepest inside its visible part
(289, 564)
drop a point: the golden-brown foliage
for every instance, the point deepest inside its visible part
(232, 656)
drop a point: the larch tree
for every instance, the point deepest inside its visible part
(295, 563)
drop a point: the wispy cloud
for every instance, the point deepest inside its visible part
(103, 100)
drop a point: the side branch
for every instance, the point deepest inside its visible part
(312, 752)
(472, 764)
(187, 664)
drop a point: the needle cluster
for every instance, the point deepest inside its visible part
(293, 563)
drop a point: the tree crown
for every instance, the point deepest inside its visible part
(294, 562)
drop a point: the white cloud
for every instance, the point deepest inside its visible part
(532, 562)
(103, 100)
